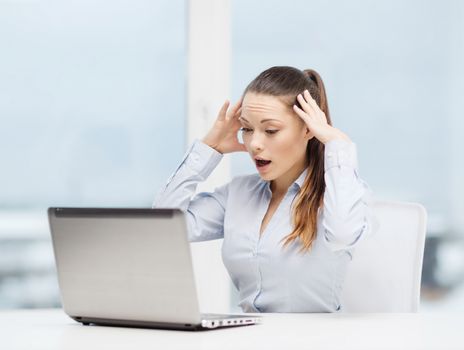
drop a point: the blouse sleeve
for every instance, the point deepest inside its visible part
(346, 213)
(205, 211)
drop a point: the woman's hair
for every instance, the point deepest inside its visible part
(286, 83)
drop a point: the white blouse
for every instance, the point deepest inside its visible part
(268, 277)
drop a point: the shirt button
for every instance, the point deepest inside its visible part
(195, 157)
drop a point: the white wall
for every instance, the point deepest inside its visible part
(208, 88)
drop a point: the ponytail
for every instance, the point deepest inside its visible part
(314, 77)
(310, 198)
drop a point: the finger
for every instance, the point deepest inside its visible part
(302, 114)
(319, 113)
(322, 117)
(304, 104)
(236, 124)
(223, 110)
(235, 108)
(238, 113)
(311, 101)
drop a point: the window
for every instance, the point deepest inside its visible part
(92, 94)
(393, 73)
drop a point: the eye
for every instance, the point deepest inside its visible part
(245, 129)
(271, 131)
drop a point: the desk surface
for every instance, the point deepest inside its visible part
(52, 329)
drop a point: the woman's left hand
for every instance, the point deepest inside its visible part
(316, 120)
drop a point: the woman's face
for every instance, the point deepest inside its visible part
(273, 132)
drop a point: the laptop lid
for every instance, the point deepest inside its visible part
(124, 264)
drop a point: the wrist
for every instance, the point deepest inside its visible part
(211, 145)
(336, 134)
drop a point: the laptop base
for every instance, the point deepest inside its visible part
(208, 324)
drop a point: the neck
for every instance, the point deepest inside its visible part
(279, 186)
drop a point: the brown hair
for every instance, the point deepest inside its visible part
(286, 83)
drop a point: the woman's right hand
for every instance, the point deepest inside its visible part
(223, 135)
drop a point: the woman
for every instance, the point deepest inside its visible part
(288, 231)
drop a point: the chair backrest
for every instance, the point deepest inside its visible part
(385, 273)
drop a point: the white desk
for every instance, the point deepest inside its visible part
(52, 329)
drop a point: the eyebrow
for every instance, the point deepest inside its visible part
(262, 121)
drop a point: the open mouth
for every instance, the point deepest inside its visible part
(262, 162)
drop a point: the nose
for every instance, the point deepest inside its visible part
(256, 143)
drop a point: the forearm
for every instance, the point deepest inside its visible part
(345, 215)
(196, 166)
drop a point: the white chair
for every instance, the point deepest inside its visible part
(385, 273)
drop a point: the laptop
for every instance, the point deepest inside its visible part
(129, 267)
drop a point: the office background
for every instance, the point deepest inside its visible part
(93, 103)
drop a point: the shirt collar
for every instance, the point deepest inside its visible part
(300, 180)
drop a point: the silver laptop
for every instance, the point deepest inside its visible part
(129, 267)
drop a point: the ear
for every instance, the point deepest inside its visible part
(308, 134)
